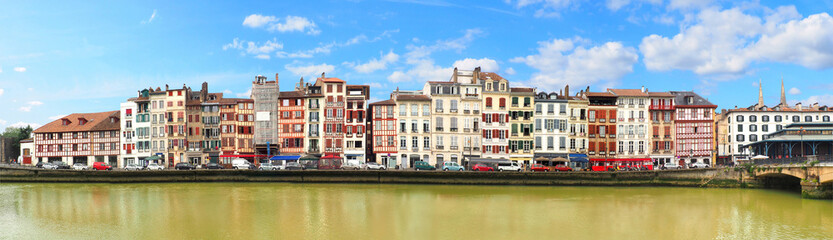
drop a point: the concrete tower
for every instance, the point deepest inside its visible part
(783, 96)
(760, 94)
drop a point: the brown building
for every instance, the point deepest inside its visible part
(79, 138)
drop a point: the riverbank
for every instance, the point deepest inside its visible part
(680, 178)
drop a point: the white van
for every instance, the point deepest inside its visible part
(241, 164)
(508, 166)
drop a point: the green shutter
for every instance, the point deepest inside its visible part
(514, 128)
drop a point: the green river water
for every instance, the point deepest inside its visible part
(357, 211)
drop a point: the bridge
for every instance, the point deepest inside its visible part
(812, 174)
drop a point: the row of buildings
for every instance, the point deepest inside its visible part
(474, 115)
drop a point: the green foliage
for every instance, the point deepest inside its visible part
(779, 169)
(15, 134)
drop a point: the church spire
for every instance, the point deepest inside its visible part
(783, 96)
(760, 94)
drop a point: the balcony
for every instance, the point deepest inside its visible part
(439, 129)
(572, 134)
(612, 120)
(453, 110)
(514, 134)
(471, 96)
(591, 152)
(416, 149)
(602, 120)
(476, 111)
(466, 112)
(661, 107)
(612, 153)
(527, 150)
(439, 110)
(313, 106)
(453, 129)
(592, 135)
(631, 119)
(466, 129)
(466, 148)
(641, 120)
(426, 148)
(414, 130)
(592, 120)
(439, 147)
(502, 108)
(514, 105)
(403, 148)
(572, 118)
(476, 148)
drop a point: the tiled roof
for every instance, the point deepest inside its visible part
(493, 76)
(331, 80)
(99, 121)
(413, 98)
(628, 92)
(291, 94)
(386, 102)
(660, 94)
(522, 89)
(600, 94)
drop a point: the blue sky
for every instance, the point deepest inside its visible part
(58, 58)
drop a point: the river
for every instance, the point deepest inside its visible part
(358, 211)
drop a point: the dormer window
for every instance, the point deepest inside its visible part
(82, 121)
(65, 122)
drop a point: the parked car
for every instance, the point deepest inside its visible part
(452, 166)
(212, 165)
(423, 165)
(508, 166)
(269, 166)
(539, 168)
(184, 166)
(48, 165)
(671, 165)
(154, 166)
(80, 166)
(133, 167)
(61, 165)
(562, 168)
(699, 165)
(241, 164)
(293, 166)
(102, 166)
(40, 164)
(374, 166)
(481, 168)
(352, 165)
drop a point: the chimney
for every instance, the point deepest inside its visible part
(567, 90)
(276, 77)
(322, 75)
(798, 106)
(643, 89)
(815, 106)
(166, 87)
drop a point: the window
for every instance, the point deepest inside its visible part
(414, 110)
(796, 119)
(403, 142)
(488, 102)
(808, 119)
(538, 108)
(426, 142)
(765, 128)
(753, 138)
(753, 118)
(739, 138)
(825, 118)
(438, 104)
(425, 126)
(403, 110)
(753, 128)
(740, 127)
(739, 118)
(426, 110)
(777, 118)
(765, 118)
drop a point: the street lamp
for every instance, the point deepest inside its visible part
(801, 135)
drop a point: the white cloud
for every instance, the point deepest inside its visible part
(19, 69)
(260, 51)
(3, 122)
(291, 24)
(23, 124)
(327, 48)
(375, 85)
(560, 62)
(56, 117)
(688, 4)
(25, 108)
(711, 47)
(510, 71)
(423, 67)
(2, 91)
(547, 8)
(29, 105)
(795, 91)
(226, 91)
(246, 94)
(825, 99)
(257, 20)
(375, 64)
(485, 64)
(152, 16)
(308, 70)
(35, 103)
(1, 69)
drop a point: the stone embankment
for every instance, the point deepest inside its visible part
(684, 178)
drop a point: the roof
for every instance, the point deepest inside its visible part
(385, 102)
(487, 75)
(660, 94)
(291, 94)
(628, 92)
(331, 80)
(234, 100)
(95, 122)
(680, 97)
(413, 98)
(522, 89)
(600, 94)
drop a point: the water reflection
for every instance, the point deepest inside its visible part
(342, 211)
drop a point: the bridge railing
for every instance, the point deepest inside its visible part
(794, 160)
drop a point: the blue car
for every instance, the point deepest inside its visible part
(452, 166)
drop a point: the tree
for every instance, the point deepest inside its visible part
(14, 135)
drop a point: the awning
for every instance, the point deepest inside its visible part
(309, 158)
(152, 158)
(578, 158)
(353, 155)
(560, 159)
(492, 160)
(285, 158)
(331, 157)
